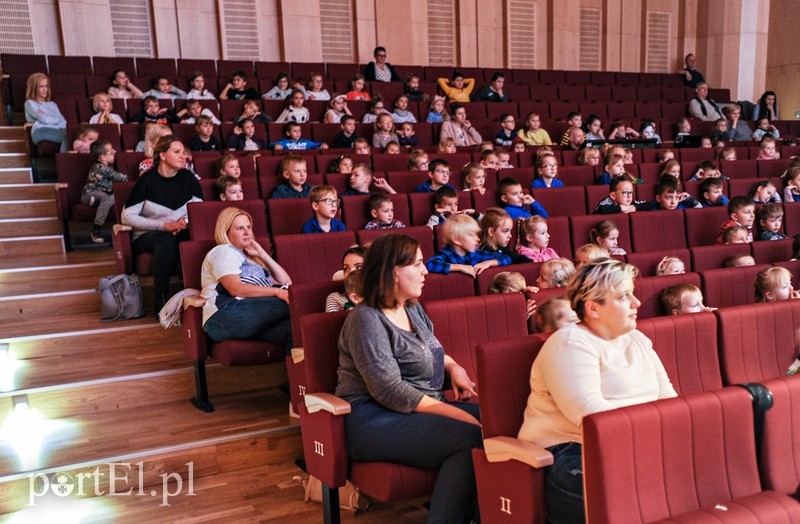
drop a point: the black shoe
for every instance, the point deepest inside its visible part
(97, 235)
(161, 301)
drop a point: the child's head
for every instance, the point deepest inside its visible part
(792, 177)
(510, 191)
(621, 191)
(358, 82)
(249, 127)
(119, 78)
(486, 145)
(437, 105)
(706, 143)
(670, 266)
(668, 192)
(507, 282)
(708, 169)
(101, 102)
(507, 122)
(204, 126)
(503, 156)
(615, 165)
(739, 260)
(361, 177)
(337, 103)
(292, 130)
(519, 145)
(229, 166)
(593, 125)
(496, 228)
(283, 81)
(682, 299)
(462, 233)
(711, 190)
(763, 123)
(102, 152)
(418, 160)
(447, 145)
(647, 129)
(348, 123)
(439, 173)
(490, 160)
(574, 119)
(152, 134)
(547, 167)
(342, 165)
(735, 234)
(239, 80)
(742, 210)
(197, 80)
(293, 169)
(762, 191)
(298, 98)
(406, 129)
(229, 188)
(162, 83)
(684, 126)
(721, 125)
(589, 156)
(726, 154)
(88, 134)
(351, 283)
(384, 123)
(316, 81)
(473, 175)
(392, 148)
(324, 201)
(664, 155)
(412, 81)
(770, 218)
(605, 234)
(768, 146)
(251, 108)
(556, 272)
(445, 200)
(588, 252)
(533, 121)
(381, 208)
(361, 146)
(773, 284)
(400, 102)
(533, 233)
(554, 314)
(193, 108)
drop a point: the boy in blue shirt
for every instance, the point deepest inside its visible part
(515, 201)
(439, 173)
(293, 169)
(295, 141)
(461, 253)
(669, 195)
(325, 203)
(711, 193)
(507, 134)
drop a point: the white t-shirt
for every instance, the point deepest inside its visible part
(578, 373)
(224, 260)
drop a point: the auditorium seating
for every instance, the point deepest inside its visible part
(688, 459)
(780, 452)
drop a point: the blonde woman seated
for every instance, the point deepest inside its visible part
(599, 364)
(244, 287)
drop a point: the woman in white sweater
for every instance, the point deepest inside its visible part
(602, 363)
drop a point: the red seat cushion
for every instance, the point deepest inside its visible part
(386, 481)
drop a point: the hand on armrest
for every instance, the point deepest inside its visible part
(325, 401)
(298, 355)
(118, 228)
(501, 449)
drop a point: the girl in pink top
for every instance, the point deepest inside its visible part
(534, 238)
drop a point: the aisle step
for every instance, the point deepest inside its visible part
(14, 160)
(10, 209)
(11, 145)
(16, 175)
(51, 278)
(27, 191)
(29, 227)
(24, 308)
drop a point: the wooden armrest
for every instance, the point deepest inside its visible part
(325, 401)
(61, 185)
(196, 301)
(118, 228)
(501, 449)
(298, 355)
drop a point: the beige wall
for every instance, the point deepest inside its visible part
(729, 37)
(783, 60)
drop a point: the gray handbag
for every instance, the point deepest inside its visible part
(120, 298)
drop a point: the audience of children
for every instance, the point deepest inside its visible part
(534, 240)
(774, 284)
(770, 219)
(98, 190)
(445, 206)
(742, 212)
(606, 235)
(461, 252)
(683, 299)
(293, 169)
(496, 233)
(515, 202)
(381, 209)
(325, 204)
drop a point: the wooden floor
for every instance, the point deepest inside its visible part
(118, 393)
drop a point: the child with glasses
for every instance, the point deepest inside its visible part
(620, 199)
(507, 132)
(439, 173)
(325, 203)
(546, 173)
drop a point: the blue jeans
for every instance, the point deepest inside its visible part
(422, 440)
(563, 485)
(256, 318)
(51, 134)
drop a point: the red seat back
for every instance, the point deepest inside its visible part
(703, 225)
(305, 299)
(203, 218)
(423, 234)
(780, 452)
(581, 225)
(647, 263)
(440, 287)
(713, 257)
(562, 201)
(657, 230)
(312, 258)
(730, 286)
(649, 290)
(529, 271)
(768, 252)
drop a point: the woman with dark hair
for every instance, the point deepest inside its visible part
(767, 106)
(380, 70)
(599, 364)
(392, 370)
(156, 210)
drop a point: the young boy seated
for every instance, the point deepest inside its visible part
(711, 193)
(620, 199)
(153, 113)
(707, 169)
(347, 135)
(325, 203)
(237, 88)
(735, 234)
(445, 206)
(293, 169)
(490, 160)
(361, 146)
(505, 137)
(229, 189)
(460, 253)
(439, 176)
(575, 121)
(360, 180)
(381, 208)
(244, 137)
(770, 218)
(682, 299)
(669, 196)
(742, 212)
(295, 141)
(205, 140)
(193, 109)
(98, 190)
(515, 201)
(503, 158)
(406, 136)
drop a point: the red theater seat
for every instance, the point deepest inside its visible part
(423, 234)
(730, 286)
(703, 225)
(657, 230)
(650, 289)
(648, 262)
(529, 270)
(440, 287)
(780, 452)
(580, 226)
(713, 257)
(203, 218)
(312, 258)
